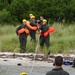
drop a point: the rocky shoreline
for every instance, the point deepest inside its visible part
(33, 64)
(39, 57)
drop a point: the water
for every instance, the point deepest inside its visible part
(37, 70)
(40, 68)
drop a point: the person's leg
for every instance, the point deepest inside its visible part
(47, 42)
(33, 36)
(21, 44)
(41, 39)
(24, 44)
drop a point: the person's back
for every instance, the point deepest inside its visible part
(58, 70)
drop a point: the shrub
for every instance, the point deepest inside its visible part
(4, 16)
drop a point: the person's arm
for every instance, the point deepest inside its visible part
(39, 29)
(45, 29)
(18, 29)
(33, 23)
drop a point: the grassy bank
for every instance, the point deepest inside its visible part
(62, 40)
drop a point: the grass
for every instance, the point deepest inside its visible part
(62, 40)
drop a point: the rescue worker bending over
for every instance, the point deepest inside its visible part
(44, 39)
(33, 32)
(22, 32)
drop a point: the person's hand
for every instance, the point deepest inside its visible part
(40, 31)
(18, 36)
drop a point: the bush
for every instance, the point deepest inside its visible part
(4, 16)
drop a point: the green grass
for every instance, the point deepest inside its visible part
(62, 40)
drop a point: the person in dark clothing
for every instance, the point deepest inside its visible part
(73, 65)
(22, 32)
(58, 70)
(33, 32)
(41, 18)
(43, 28)
(39, 22)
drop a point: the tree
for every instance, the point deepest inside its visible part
(4, 16)
(19, 8)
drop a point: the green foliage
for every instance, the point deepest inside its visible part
(9, 42)
(19, 8)
(53, 10)
(4, 16)
(64, 39)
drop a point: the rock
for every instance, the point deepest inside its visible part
(72, 55)
(59, 55)
(5, 60)
(50, 60)
(19, 64)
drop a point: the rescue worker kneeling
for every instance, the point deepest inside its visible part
(22, 32)
(44, 39)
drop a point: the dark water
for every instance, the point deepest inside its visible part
(37, 70)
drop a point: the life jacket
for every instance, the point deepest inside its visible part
(31, 27)
(27, 31)
(50, 30)
(40, 33)
(23, 30)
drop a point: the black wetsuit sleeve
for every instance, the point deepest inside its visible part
(45, 29)
(18, 29)
(40, 28)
